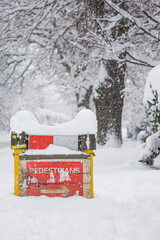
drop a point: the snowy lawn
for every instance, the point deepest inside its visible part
(126, 204)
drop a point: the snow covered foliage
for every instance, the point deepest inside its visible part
(152, 99)
(84, 123)
(154, 81)
(151, 149)
(152, 105)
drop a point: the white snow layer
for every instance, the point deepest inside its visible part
(126, 204)
(49, 117)
(84, 123)
(154, 81)
(50, 150)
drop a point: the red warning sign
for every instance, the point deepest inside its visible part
(40, 142)
(61, 179)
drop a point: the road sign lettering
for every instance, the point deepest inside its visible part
(46, 170)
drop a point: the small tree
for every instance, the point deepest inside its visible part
(152, 106)
(152, 100)
(153, 112)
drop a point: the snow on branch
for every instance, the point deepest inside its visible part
(40, 19)
(29, 8)
(25, 69)
(138, 61)
(134, 20)
(150, 17)
(16, 63)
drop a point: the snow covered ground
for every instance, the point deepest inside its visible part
(126, 204)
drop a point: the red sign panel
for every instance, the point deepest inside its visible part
(40, 142)
(54, 179)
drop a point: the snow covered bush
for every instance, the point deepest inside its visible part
(152, 100)
(151, 150)
(152, 105)
(153, 111)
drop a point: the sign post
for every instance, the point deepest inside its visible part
(91, 171)
(16, 170)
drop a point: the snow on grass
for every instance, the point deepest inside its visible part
(126, 204)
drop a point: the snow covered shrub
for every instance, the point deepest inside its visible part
(151, 150)
(152, 100)
(152, 106)
(153, 111)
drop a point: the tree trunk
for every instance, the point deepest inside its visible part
(109, 103)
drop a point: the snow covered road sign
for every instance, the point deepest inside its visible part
(73, 142)
(55, 161)
(55, 175)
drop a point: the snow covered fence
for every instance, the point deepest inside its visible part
(42, 168)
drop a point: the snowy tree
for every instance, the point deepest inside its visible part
(118, 30)
(77, 37)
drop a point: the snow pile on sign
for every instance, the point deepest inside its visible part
(153, 81)
(49, 117)
(84, 123)
(52, 149)
(23, 119)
